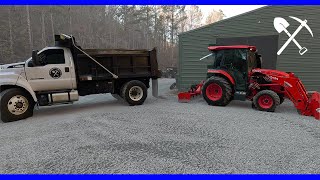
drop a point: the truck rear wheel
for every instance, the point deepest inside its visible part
(266, 100)
(217, 91)
(134, 92)
(16, 104)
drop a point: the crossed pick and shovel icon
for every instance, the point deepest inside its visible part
(281, 24)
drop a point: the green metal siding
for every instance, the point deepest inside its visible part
(193, 44)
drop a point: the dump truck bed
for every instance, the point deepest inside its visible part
(124, 63)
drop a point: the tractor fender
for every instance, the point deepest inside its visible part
(223, 74)
(18, 81)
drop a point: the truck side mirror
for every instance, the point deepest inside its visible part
(35, 58)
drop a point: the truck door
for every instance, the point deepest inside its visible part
(54, 73)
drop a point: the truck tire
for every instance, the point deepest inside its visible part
(16, 104)
(134, 92)
(217, 91)
(117, 96)
(266, 100)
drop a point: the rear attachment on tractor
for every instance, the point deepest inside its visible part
(195, 90)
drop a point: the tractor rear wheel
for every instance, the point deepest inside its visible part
(217, 91)
(266, 100)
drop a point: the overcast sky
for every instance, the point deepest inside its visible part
(229, 10)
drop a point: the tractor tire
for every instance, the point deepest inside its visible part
(217, 91)
(281, 99)
(266, 100)
(117, 97)
(134, 92)
(16, 104)
(253, 106)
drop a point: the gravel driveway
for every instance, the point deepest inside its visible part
(98, 134)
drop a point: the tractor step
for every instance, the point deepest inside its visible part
(240, 95)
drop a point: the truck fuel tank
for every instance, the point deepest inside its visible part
(63, 97)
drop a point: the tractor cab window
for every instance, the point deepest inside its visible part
(240, 60)
(252, 61)
(231, 59)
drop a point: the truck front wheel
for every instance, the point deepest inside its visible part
(134, 92)
(16, 104)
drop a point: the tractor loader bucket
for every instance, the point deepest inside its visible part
(314, 104)
(194, 91)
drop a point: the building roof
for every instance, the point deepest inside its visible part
(217, 48)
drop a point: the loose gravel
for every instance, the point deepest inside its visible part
(99, 134)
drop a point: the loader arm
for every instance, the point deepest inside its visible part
(293, 89)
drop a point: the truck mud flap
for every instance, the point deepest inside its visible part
(155, 87)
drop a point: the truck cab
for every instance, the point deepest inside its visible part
(55, 70)
(62, 73)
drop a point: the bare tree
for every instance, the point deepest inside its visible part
(23, 28)
(10, 33)
(29, 27)
(194, 17)
(215, 16)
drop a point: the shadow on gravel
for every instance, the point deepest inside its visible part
(72, 108)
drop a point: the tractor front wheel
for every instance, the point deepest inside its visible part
(217, 91)
(266, 100)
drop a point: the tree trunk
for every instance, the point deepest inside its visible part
(43, 33)
(10, 34)
(172, 23)
(29, 28)
(70, 20)
(52, 25)
(147, 31)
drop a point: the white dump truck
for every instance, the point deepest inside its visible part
(62, 73)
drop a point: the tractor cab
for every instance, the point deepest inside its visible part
(234, 63)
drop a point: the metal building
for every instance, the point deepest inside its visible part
(256, 28)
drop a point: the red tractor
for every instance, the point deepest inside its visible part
(236, 74)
